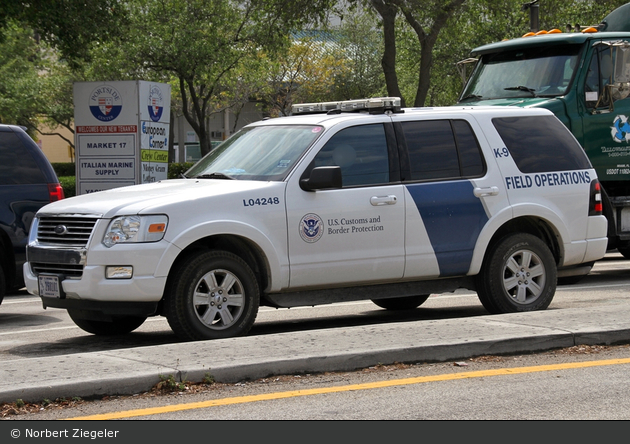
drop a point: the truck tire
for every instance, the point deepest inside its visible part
(213, 295)
(402, 303)
(518, 274)
(119, 325)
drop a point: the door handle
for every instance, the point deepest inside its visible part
(383, 200)
(487, 191)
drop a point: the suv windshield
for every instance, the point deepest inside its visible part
(527, 72)
(257, 153)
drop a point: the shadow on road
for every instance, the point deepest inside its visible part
(91, 343)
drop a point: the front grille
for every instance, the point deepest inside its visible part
(68, 270)
(61, 245)
(67, 231)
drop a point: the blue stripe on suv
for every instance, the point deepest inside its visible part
(453, 218)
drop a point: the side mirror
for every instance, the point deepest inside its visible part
(321, 178)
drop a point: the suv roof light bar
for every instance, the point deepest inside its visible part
(377, 105)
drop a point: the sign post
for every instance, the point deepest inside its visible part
(121, 133)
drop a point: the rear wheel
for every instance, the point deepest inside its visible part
(118, 325)
(625, 251)
(213, 294)
(3, 284)
(570, 280)
(402, 303)
(519, 274)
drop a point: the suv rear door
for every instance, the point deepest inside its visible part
(453, 191)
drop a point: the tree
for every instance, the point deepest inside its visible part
(423, 41)
(338, 64)
(20, 62)
(362, 42)
(388, 12)
(68, 25)
(36, 86)
(306, 72)
(435, 14)
(215, 50)
(56, 104)
(426, 18)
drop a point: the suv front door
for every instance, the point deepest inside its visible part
(356, 233)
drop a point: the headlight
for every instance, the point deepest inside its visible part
(135, 229)
(32, 235)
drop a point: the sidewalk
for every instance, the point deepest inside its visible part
(136, 370)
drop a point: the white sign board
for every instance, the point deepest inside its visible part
(121, 133)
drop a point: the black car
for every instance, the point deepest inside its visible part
(27, 183)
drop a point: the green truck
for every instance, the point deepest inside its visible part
(583, 77)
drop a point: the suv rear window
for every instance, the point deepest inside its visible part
(17, 166)
(540, 144)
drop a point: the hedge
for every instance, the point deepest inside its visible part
(66, 173)
(64, 168)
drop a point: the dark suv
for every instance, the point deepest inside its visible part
(27, 183)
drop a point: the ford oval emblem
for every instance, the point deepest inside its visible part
(61, 230)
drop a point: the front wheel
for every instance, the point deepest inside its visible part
(118, 325)
(402, 303)
(212, 295)
(519, 274)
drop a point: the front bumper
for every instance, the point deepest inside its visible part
(93, 286)
(89, 283)
(113, 308)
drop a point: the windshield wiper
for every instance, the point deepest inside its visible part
(470, 96)
(215, 175)
(521, 88)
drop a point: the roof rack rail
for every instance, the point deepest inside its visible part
(377, 105)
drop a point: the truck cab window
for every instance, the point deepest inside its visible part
(598, 76)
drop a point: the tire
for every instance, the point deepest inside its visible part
(402, 303)
(570, 280)
(625, 251)
(213, 295)
(119, 325)
(519, 274)
(3, 284)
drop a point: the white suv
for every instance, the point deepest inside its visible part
(341, 201)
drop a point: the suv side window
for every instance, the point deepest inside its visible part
(551, 147)
(361, 152)
(442, 149)
(17, 166)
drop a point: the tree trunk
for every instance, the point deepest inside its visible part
(388, 12)
(427, 41)
(424, 74)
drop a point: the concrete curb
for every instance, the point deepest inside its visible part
(136, 370)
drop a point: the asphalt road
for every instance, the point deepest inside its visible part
(29, 331)
(45, 356)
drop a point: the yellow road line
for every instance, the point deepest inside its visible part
(349, 388)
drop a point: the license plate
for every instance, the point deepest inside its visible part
(50, 286)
